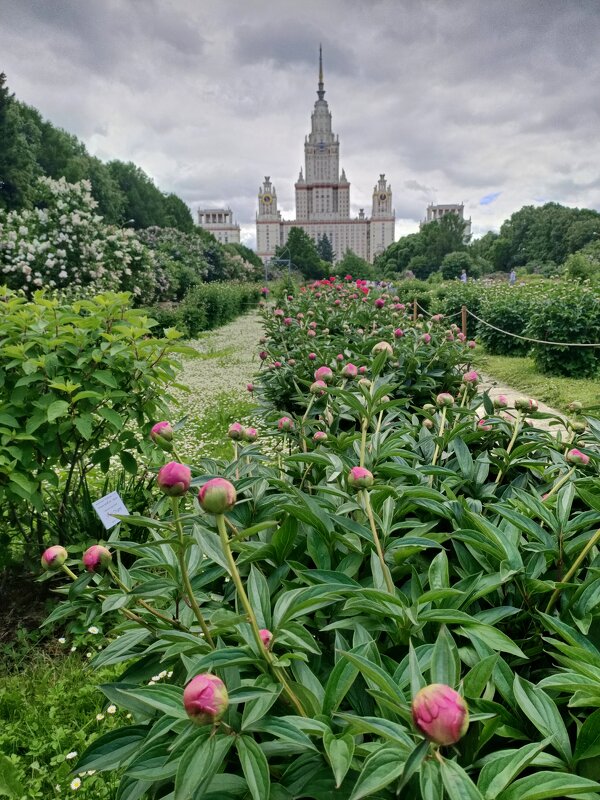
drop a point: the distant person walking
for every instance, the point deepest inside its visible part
(512, 278)
(463, 276)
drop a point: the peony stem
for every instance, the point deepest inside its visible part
(560, 483)
(437, 451)
(511, 444)
(384, 567)
(594, 540)
(363, 440)
(237, 580)
(146, 605)
(185, 576)
(69, 572)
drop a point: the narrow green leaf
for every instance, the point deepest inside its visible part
(199, 763)
(504, 768)
(379, 770)
(255, 767)
(542, 712)
(544, 785)
(444, 659)
(339, 750)
(457, 783)
(588, 738)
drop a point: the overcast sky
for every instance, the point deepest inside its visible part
(494, 103)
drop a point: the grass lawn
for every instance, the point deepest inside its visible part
(521, 374)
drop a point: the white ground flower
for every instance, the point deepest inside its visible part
(99, 717)
(70, 756)
(111, 709)
(75, 783)
(62, 640)
(93, 629)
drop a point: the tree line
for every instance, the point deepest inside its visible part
(33, 147)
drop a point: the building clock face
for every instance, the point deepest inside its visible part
(383, 196)
(267, 199)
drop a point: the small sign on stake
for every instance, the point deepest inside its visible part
(107, 506)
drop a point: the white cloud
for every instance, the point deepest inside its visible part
(453, 101)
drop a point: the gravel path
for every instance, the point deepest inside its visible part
(494, 388)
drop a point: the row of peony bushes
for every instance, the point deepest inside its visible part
(551, 311)
(206, 306)
(401, 602)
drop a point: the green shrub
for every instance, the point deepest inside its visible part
(567, 313)
(79, 385)
(449, 299)
(508, 308)
(209, 305)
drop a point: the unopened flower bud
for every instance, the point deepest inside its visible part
(427, 423)
(162, 435)
(324, 374)
(250, 434)
(320, 436)
(312, 356)
(236, 432)
(96, 558)
(360, 478)
(526, 404)
(266, 637)
(382, 347)
(217, 496)
(575, 406)
(440, 713)
(318, 388)
(205, 699)
(444, 399)
(54, 557)
(575, 456)
(349, 371)
(483, 425)
(250, 387)
(398, 333)
(470, 378)
(285, 424)
(426, 338)
(174, 479)
(501, 401)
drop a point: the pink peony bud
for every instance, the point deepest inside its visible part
(96, 558)
(501, 401)
(299, 315)
(285, 424)
(162, 435)
(470, 378)
(426, 338)
(379, 303)
(277, 364)
(362, 370)
(437, 317)
(250, 387)
(471, 344)
(360, 478)
(174, 479)
(449, 336)
(263, 355)
(287, 321)
(575, 456)
(236, 432)
(217, 496)
(205, 699)
(312, 356)
(444, 399)
(350, 371)
(320, 436)
(54, 557)
(398, 333)
(382, 347)
(340, 357)
(461, 337)
(323, 374)
(250, 434)
(312, 325)
(365, 382)
(278, 312)
(483, 425)
(311, 333)
(526, 404)
(440, 713)
(266, 637)
(318, 388)
(427, 423)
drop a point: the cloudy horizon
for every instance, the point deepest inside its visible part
(487, 102)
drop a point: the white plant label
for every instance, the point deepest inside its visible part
(107, 506)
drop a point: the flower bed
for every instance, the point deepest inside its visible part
(401, 602)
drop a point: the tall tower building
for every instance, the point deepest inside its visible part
(323, 198)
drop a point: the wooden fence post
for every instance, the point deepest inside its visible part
(464, 320)
(415, 310)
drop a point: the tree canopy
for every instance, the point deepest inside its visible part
(302, 252)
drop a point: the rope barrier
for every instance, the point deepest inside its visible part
(429, 314)
(527, 339)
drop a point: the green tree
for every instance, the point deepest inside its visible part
(325, 250)
(302, 252)
(354, 265)
(246, 253)
(454, 263)
(143, 202)
(177, 214)
(397, 256)
(18, 168)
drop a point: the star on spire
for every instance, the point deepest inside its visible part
(321, 90)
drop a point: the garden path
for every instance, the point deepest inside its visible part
(228, 361)
(495, 388)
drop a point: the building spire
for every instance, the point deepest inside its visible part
(321, 90)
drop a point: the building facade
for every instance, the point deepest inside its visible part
(435, 212)
(323, 199)
(220, 222)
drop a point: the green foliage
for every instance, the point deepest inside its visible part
(451, 297)
(470, 562)
(351, 264)
(325, 249)
(80, 384)
(302, 252)
(209, 305)
(454, 263)
(508, 308)
(567, 313)
(247, 255)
